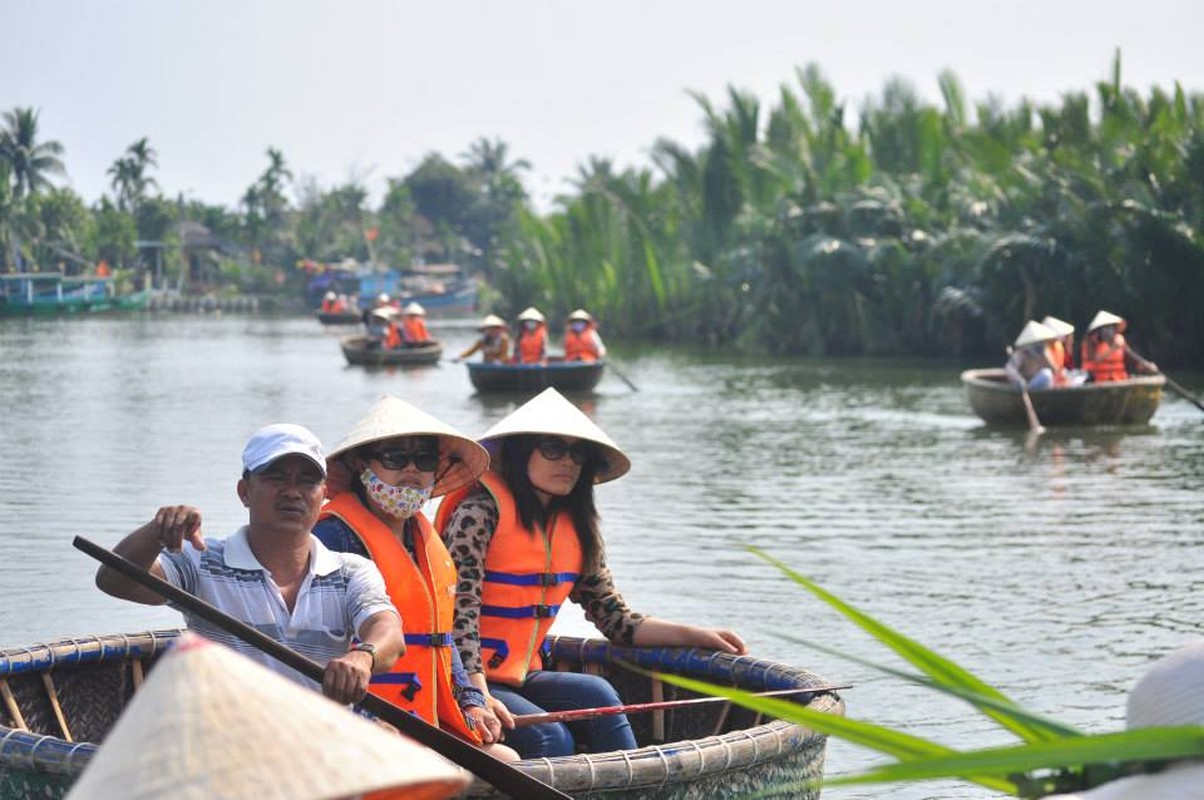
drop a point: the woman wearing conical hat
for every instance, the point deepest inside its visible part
(1065, 341)
(494, 342)
(413, 328)
(380, 476)
(1104, 350)
(525, 539)
(581, 339)
(1032, 361)
(531, 345)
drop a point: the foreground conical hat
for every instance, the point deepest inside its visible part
(1171, 692)
(1060, 327)
(210, 723)
(549, 412)
(461, 460)
(1033, 333)
(1106, 318)
(491, 321)
(581, 314)
(530, 313)
(414, 308)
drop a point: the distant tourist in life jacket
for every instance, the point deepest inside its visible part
(381, 330)
(494, 342)
(1032, 361)
(328, 302)
(413, 328)
(1170, 694)
(581, 339)
(381, 302)
(1062, 350)
(525, 539)
(532, 344)
(1104, 350)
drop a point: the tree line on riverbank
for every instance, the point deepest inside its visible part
(915, 229)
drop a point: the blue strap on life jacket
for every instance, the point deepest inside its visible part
(531, 578)
(410, 679)
(539, 611)
(500, 648)
(429, 639)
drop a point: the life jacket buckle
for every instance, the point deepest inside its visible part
(543, 611)
(548, 579)
(413, 689)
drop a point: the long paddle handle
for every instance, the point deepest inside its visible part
(1186, 395)
(575, 714)
(1034, 424)
(621, 376)
(500, 775)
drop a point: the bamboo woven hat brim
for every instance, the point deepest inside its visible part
(1033, 333)
(1171, 692)
(491, 321)
(461, 460)
(1106, 318)
(531, 313)
(1060, 327)
(581, 314)
(210, 723)
(549, 412)
(414, 308)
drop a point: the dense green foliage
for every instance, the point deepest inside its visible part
(913, 229)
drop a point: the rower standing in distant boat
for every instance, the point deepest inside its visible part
(581, 339)
(494, 342)
(531, 346)
(1031, 362)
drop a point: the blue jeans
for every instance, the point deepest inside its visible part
(1042, 380)
(561, 691)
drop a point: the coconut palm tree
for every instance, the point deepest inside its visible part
(30, 162)
(130, 180)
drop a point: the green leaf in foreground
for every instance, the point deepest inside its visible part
(943, 671)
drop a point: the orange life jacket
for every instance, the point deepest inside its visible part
(415, 330)
(532, 345)
(392, 337)
(424, 594)
(528, 576)
(581, 346)
(1105, 360)
(327, 305)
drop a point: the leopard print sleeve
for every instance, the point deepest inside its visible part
(596, 593)
(467, 537)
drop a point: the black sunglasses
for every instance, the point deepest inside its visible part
(554, 448)
(424, 460)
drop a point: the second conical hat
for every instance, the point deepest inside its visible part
(549, 412)
(461, 460)
(531, 313)
(1033, 333)
(491, 321)
(209, 723)
(1058, 326)
(1106, 318)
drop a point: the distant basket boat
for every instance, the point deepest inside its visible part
(999, 402)
(339, 317)
(60, 699)
(564, 376)
(366, 352)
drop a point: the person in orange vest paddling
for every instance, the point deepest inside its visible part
(1104, 350)
(525, 539)
(494, 342)
(531, 346)
(394, 460)
(581, 339)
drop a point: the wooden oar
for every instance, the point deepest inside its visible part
(1034, 424)
(500, 775)
(622, 377)
(575, 714)
(1186, 395)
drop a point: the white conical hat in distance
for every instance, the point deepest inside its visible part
(209, 723)
(1171, 692)
(531, 312)
(1033, 333)
(549, 412)
(461, 460)
(1060, 327)
(414, 308)
(1106, 318)
(581, 314)
(491, 321)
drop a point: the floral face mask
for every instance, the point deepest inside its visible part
(399, 502)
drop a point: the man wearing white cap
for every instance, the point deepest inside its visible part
(273, 574)
(1170, 694)
(1031, 363)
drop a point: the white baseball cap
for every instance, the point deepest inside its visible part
(281, 439)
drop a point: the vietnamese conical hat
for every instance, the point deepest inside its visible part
(1060, 327)
(210, 723)
(549, 412)
(461, 460)
(1033, 333)
(1171, 692)
(384, 312)
(581, 314)
(531, 313)
(1106, 318)
(491, 321)
(414, 308)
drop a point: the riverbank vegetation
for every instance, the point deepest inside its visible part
(799, 226)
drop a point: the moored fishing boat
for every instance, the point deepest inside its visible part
(998, 401)
(60, 700)
(358, 352)
(564, 376)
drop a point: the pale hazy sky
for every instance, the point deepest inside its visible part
(368, 87)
